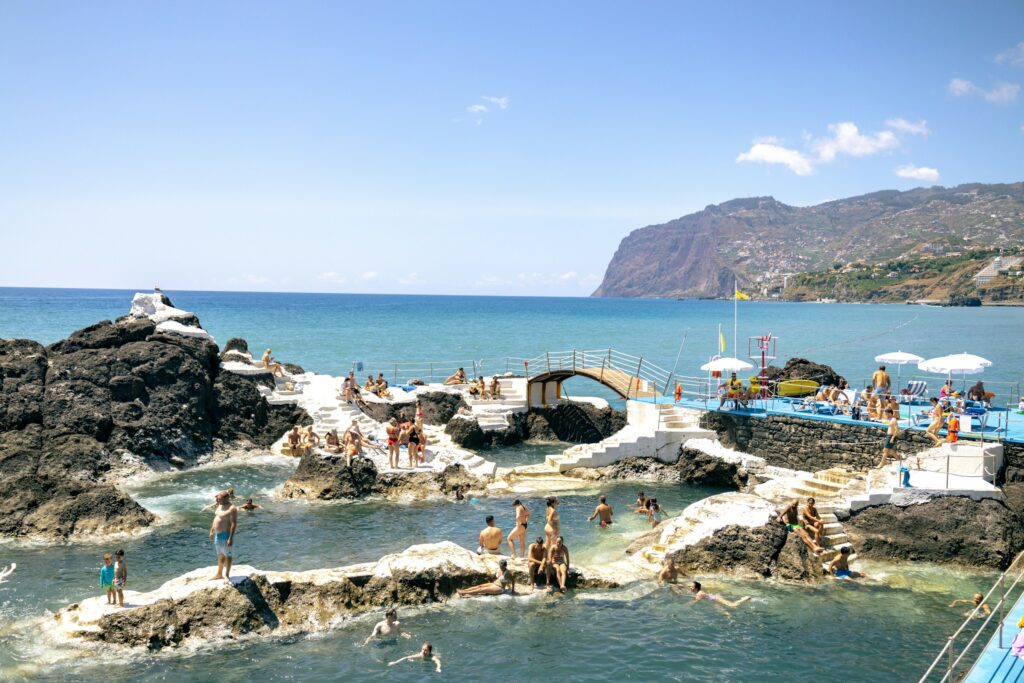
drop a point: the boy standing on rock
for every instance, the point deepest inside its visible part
(222, 533)
(107, 579)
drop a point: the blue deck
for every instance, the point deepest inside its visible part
(996, 664)
(1002, 424)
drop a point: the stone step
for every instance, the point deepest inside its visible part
(834, 540)
(832, 527)
(531, 471)
(828, 517)
(825, 484)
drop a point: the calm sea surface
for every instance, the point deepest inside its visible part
(883, 630)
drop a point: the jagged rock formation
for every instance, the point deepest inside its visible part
(318, 478)
(68, 412)
(985, 533)
(761, 552)
(801, 368)
(701, 254)
(438, 407)
(693, 467)
(194, 609)
(572, 422)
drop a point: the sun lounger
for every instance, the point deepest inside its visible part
(916, 389)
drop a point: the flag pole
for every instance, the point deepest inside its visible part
(735, 316)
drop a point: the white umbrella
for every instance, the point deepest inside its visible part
(899, 359)
(726, 365)
(956, 364)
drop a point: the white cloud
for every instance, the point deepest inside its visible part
(904, 126)
(766, 153)
(368, 275)
(410, 279)
(500, 102)
(331, 276)
(911, 172)
(254, 279)
(476, 109)
(1001, 92)
(1014, 56)
(847, 139)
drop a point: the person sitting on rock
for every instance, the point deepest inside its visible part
(981, 608)
(812, 521)
(699, 594)
(425, 654)
(312, 439)
(331, 442)
(839, 567)
(490, 538)
(790, 516)
(504, 584)
(536, 560)
(275, 368)
(558, 564)
(481, 388)
(669, 573)
(295, 441)
(458, 378)
(389, 629)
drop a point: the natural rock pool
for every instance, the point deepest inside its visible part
(887, 629)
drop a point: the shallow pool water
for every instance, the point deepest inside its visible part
(877, 631)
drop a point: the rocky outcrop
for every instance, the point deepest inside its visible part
(574, 422)
(808, 445)
(801, 368)
(985, 533)
(767, 551)
(319, 478)
(692, 467)
(465, 432)
(195, 610)
(149, 387)
(438, 407)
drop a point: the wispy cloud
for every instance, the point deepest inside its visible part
(844, 139)
(1014, 56)
(500, 102)
(410, 279)
(254, 279)
(477, 109)
(1000, 93)
(909, 127)
(331, 276)
(911, 172)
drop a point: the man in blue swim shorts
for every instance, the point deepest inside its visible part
(840, 566)
(222, 533)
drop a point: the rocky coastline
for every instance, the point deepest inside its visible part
(143, 391)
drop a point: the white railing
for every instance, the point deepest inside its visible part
(652, 377)
(949, 651)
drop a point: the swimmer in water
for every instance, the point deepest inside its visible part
(522, 518)
(668, 573)
(603, 510)
(840, 566)
(249, 506)
(389, 629)
(425, 654)
(699, 594)
(981, 608)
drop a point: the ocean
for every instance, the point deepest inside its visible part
(887, 629)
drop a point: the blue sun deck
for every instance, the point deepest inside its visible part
(1000, 424)
(996, 664)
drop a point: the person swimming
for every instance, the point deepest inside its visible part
(839, 567)
(981, 608)
(389, 629)
(425, 654)
(699, 594)
(669, 573)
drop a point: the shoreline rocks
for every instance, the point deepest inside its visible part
(194, 610)
(72, 412)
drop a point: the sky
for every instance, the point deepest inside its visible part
(465, 147)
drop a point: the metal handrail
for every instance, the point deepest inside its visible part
(948, 649)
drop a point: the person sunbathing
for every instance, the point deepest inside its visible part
(503, 584)
(295, 441)
(275, 368)
(458, 378)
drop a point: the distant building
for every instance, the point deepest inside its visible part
(998, 265)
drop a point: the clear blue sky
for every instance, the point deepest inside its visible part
(344, 146)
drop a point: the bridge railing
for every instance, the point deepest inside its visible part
(950, 658)
(652, 377)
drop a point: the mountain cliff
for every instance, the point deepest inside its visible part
(760, 241)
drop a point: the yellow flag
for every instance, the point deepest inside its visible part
(721, 343)
(741, 295)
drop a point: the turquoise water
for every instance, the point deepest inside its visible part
(878, 631)
(641, 632)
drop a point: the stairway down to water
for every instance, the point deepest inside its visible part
(659, 438)
(830, 489)
(493, 414)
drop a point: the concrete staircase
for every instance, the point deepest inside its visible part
(493, 414)
(830, 489)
